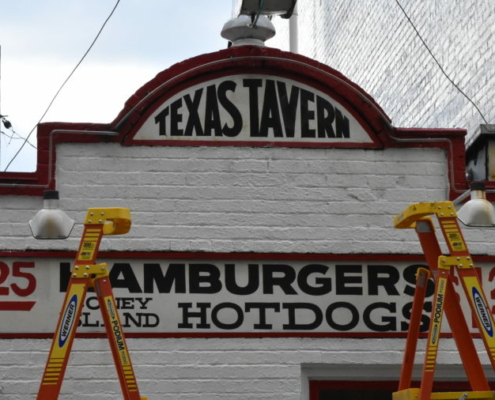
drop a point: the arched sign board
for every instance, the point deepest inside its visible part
(243, 96)
(257, 98)
(249, 108)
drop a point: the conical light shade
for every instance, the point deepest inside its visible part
(477, 212)
(50, 222)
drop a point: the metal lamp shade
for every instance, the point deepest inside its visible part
(477, 212)
(50, 222)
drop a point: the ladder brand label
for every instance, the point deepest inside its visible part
(117, 331)
(482, 310)
(67, 321)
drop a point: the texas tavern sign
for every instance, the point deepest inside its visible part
(253, 107)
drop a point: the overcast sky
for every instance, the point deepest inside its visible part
(43, 40)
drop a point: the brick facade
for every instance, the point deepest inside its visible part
(374, 45)
(234, 199)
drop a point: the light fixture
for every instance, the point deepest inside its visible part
(284, 8)
(51, 222)
(477, 212)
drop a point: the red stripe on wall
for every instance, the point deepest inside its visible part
(16, 305)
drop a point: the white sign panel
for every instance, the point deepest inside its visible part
(253, 108)
(193, 296)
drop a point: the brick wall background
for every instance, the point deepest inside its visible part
(374, 45)
(222, 200)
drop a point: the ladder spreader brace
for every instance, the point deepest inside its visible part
(85, 274)
(417, 216)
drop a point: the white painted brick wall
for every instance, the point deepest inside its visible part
(240, 199)
(227, 199)
(222, 200)
(211, 369)
(373, 44)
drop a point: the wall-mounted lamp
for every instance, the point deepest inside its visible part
(477, 212)
(51, 222)
(284, 8)
(251, 23)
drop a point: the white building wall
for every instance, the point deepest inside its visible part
(272, 200)
(223, 200)
(374, 45)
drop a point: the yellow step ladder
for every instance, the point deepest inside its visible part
(85, 274)
(418, 217)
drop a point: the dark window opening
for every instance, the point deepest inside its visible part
(370, 390)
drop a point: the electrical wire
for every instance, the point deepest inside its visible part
(14, 136)
(438, 63)
(63, 84)
(261, 4)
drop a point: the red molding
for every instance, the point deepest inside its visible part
(231, 256)
(228, 335)
(218, 256)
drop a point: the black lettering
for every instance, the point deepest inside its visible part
(341, 125)
(187, 314)
(161, 120)
(175, 118)
(193, 121)
(252, 284)
(65, 272)
(230, 107)
(143, 301)
(270, 115)
(306, 114)
(224, 306)
(92, 303)
(253, 85)
(389, 322)
(343, 278)
(85, 320)
(324, 115)
(288, 276)
(323, 285)
(389, 278)
(128, 280)
(153, 274)
(342, 327)
(212, 114)
(204, 278)
(124, 303)
(262, 307)
(425, 319)
(288, 105)
(142, 320)
(317, 316)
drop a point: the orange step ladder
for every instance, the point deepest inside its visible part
(417, 216)
(85, 274)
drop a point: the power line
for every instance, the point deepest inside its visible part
(63, 84)
(438, 63)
